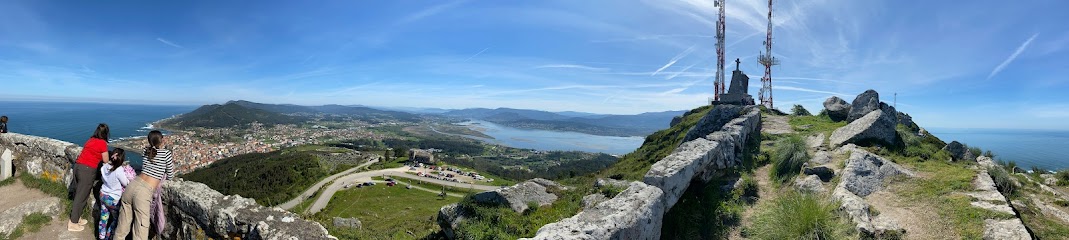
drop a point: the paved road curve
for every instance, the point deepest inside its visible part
(315, 188)
(354, 178)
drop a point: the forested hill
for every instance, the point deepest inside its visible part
(228, 115)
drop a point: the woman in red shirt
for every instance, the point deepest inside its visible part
(85, 174)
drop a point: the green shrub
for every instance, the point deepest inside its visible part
(1003, 181)
(788, 156)
(798, 216)
(798, 110)
(748, 187)
(1063, 177)
(989, 154)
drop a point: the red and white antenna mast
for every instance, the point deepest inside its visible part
(718, 83)
(768, 61)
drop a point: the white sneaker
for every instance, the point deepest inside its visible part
(74, 227)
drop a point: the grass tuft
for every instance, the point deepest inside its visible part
(789, 154)
(798, 216)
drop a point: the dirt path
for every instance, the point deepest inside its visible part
(773, 124)
(766, 191)
(16, 194)
(920, 221)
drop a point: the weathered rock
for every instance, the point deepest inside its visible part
(11, 218)
(592, 200)
(537, 191)
(347, 222)
(865, 103)
(449, 218)
(859, 212)
(1012, 229)
(820, 158)
(985, 161)
(957, 150)
(609, 182)
(815, 141)
(877, 127)
(1049, 179)
(837, 108)
(906, 120)
(823, 172)
(865, 172)
(41, 157)
(809, 184)
(674, 173)
(194, 208)
(675, 120)
(714, 120)
(636, 213)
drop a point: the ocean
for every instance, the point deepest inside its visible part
(1041, 148)
(75, 122)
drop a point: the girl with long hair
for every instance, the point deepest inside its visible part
(136, 203)
(115, 175)
(85, 174)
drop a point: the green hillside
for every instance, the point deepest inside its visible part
(228, 115)
(270, 178)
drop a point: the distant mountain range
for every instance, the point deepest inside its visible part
(591, 123)
(242, 112)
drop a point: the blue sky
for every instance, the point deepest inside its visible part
(984, 64)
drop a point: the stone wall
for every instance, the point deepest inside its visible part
(637, 213)
(195, 211)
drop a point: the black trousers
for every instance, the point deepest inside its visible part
(85, 179)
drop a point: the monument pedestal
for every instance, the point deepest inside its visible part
(737, 93)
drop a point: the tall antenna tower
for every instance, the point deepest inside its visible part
(718, 83)
(768, 61)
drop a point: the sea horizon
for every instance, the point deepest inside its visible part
(1026, 147)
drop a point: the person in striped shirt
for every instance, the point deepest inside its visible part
(135, 207)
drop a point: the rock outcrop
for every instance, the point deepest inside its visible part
(537, 191)
(636, 213)
(193, 209)
(837, 108)
(876, 126)
(449, 218)
(959, 151)
(347, 222)
(715, 120)
(865, 103)
(824, 173)
(11, 218)
(809, 183)
(865, 172)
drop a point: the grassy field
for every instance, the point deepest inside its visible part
(385, 212)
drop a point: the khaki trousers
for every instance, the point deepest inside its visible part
(135, 208)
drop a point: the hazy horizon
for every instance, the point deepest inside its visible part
(963, 67)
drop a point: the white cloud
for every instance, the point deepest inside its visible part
(675, 59)
(169, 43)
(1013, 56)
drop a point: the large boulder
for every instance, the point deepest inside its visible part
(347, 222)
(194, 209)
(538, 191)
(865, 172)
(865, 103)
(809, 183)
(874, 127)
(958, 151)
(837, 108)
(449, 218)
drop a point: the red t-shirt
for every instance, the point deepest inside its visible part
(90, 155)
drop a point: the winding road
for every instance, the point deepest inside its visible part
(315, 188)
(399, 172)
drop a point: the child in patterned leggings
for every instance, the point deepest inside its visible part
(116, 175)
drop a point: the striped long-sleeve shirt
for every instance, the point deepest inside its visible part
(161, 165)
